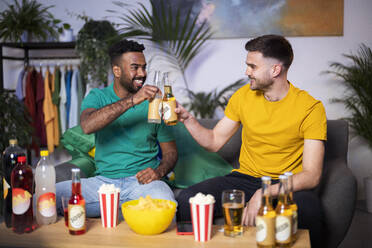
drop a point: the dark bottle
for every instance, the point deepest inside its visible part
(76, 206)
(22, 184)
(10, 156)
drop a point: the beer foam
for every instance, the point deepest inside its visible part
(202, 199)
(108, 189)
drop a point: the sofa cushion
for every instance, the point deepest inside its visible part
(195, 164)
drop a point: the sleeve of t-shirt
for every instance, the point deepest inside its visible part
(165, 133)
(232, 110)
(314, 125)
(92, 100)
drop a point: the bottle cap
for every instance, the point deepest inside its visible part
(281, 177)
(288, 173)
(13, 142)
(44, 153)
(21, 159)
(266, 178)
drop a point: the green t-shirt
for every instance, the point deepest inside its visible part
(128, 144)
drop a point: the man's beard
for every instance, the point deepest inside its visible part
(261, 85)
(129, 86)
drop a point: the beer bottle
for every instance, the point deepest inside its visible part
(169, 103)
(45, 180)
(22, 185)
(265, 220)
(293, 205)
(10, 155)
(155, 106)
(283, 225)
(76, 206)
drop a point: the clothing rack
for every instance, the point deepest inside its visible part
(27, 46)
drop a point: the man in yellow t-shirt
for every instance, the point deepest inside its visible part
(284, 129)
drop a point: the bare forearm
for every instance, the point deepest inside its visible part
(202, 135)
(93, 121)
(167, 163)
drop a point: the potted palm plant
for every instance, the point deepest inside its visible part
(357, 78)
(29, 20)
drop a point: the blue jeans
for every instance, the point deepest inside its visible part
(130, 189)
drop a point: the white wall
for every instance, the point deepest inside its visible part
(223, 61)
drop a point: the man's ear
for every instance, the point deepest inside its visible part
(276, 70)
(116, 70)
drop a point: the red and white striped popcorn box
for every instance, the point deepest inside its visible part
(202, 218)
(109, 205)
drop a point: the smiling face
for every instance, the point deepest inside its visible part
(131, 71)
(259, 71)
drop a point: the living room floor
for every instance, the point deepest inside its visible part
(360, 231)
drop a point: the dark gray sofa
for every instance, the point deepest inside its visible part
(337, 189)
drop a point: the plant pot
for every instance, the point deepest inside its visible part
(368, 190)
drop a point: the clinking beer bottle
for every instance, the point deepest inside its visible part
(293, 205)
(76, 206)
(283, 225)
(265, 220)
(22, 184)
(10, 155)
(155, 106)
(169, 103)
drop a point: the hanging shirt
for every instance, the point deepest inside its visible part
(74, 112)
(40, 124)
(19, 89)
(62, 103)
(55, 110)
(56, 97)
(68, 96)
(80, 87)
(48, 112)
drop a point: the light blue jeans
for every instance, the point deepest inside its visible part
(130, 189)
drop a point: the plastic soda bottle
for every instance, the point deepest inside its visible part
(22, 183)
(283, 225)
(155, 106)
(265, 220)
(293, 205)
(76, 206)
(10, 155)
(169, 103)
(45, 191)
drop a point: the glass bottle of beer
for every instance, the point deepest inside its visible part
(265, 220)
(76, 206)
(10, 155)
(22, 186)
(283, 225)
(169, 103)
(155, 106)
(293, 205)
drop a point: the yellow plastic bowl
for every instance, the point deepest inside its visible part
(148, 222)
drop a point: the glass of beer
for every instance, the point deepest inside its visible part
(233, 206)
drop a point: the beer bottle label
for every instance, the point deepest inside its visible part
(295, 222)
(283, 228)
(6, 188)
(265, 228)
(168, 111)
(155, 109)
(76, 217)
(21, 200)
(46, 204)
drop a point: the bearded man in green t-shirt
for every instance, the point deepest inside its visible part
(127, 146)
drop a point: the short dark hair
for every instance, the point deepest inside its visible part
(123, 46)
(272, 46)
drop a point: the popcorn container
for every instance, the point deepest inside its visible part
(202, 218)
(109, 205)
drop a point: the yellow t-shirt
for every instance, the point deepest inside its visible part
(274, 132)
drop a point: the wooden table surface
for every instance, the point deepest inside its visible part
(56, 235)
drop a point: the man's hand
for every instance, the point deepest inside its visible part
(147, 92)
(182, 113)
(251, 210)
(147, 176)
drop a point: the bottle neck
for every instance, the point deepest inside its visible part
(168, 90)
(283, 192)
(266, 196)
(76, 186)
